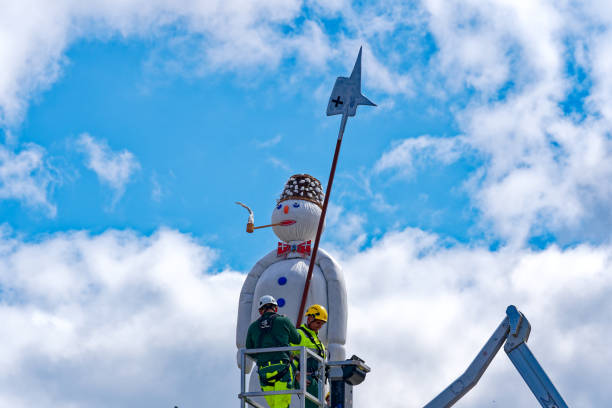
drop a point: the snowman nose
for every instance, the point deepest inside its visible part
(286, 209)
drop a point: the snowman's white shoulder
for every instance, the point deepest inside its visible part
(327, 263)
(248, 287)
(264, 263)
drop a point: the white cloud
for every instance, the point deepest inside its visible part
(278, 163)
(508, 61)
(114, 320)
(513, 66)
(25, 176)
(410, 153)
(32, 38)
(345, 229)
(230, 35)
(113, 168)
(269, 142)
(226, 36)
(544, 169)
(122, 320)
(156, 192)
(420, 312)
(484, 44)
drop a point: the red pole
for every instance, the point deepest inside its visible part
(321, 221)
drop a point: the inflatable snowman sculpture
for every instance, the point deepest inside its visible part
(282, 272)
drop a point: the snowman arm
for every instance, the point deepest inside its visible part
(245, 305)
(337, 305)
(245, 302)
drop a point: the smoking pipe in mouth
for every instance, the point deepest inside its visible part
(251, 222)
(282, 223)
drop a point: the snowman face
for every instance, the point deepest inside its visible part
(306, 216)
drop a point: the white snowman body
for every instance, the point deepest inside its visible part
(284, 277)
(283, 280)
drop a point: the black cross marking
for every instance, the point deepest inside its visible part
(337, 101)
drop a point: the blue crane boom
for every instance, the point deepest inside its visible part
(513, 331)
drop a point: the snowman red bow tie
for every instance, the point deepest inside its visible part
(285, 249)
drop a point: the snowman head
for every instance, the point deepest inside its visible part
(301, 201)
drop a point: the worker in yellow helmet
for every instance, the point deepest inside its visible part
(316, 316)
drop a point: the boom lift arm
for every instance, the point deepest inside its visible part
(514, 331)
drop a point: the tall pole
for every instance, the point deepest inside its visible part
(345, 98)
(321, 220)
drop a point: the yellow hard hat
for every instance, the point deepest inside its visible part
(318, 312)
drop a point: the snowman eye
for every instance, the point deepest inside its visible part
(296, 205)
(278, 207)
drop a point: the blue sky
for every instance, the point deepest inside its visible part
(205, 141)
(482, 178)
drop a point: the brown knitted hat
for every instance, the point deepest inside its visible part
(303, 187)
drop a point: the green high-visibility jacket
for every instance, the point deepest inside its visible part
(311, 340)
(281, 334)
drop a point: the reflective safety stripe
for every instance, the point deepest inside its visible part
(281, 384)
(271, 373)
(269, 363)
(310, 341)
(278, 401)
